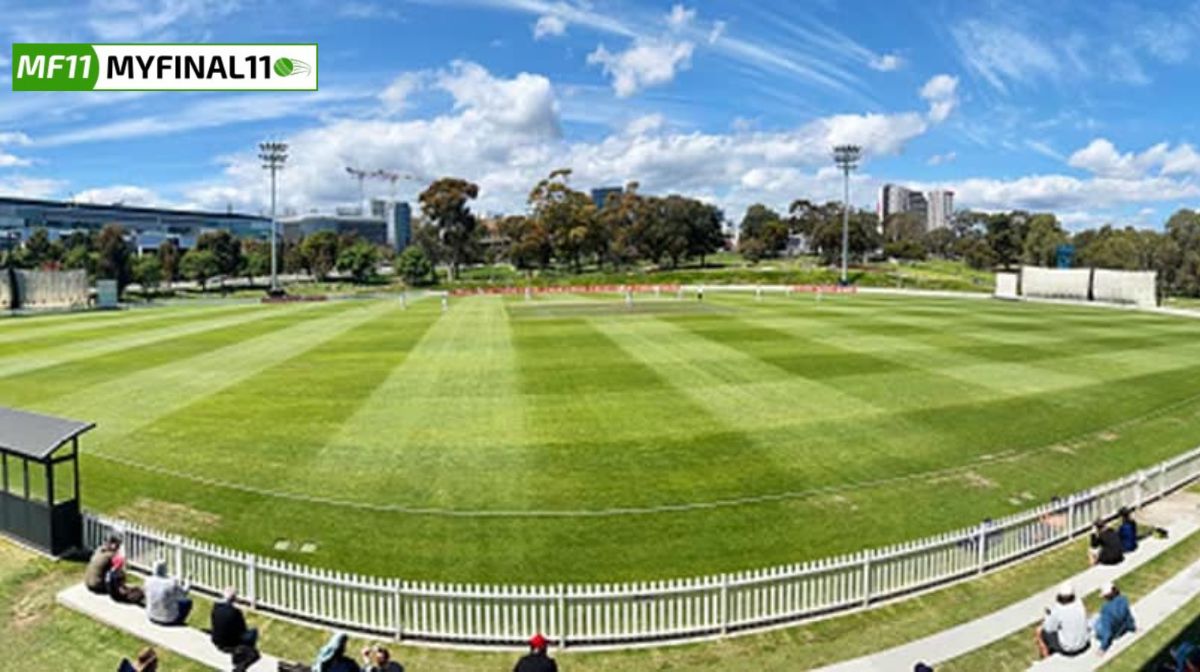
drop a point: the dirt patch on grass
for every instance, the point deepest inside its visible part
(168, 516)
(1109, 436)
(977, 480)
(1062, 448)
(34, 603)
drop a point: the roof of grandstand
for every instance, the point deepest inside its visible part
(34, 435)
(119, 207)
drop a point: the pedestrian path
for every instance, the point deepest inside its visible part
(1149, 611)
(187, 642)
(1178, 514)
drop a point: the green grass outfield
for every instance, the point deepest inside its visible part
(572, 439)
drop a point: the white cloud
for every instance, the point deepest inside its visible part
(395, 97)
(11, 160)
(940, 159)
(503, 134)
(209, 112)
(1101, 157)
(122, 193)
(1003, 54)
(886, 62)
(549, 25)
(30, 187)
(715, 33)
(645, 64)
(941, 92)
(125, 20)
(1044, 149)
(369, 11)
(680, 17)
(1062, 192)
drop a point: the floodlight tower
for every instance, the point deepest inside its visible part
(846, 157)
(273, 155)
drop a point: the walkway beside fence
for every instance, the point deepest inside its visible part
(1179, 514)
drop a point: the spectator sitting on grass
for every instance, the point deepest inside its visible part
(379, 659)
(229, 629)
(97, 568)
(167, 602)
(1065, 629)
(147, 661)
(1105, 545)
(332, 656)
(118, 589)
(1114, 618)
(537, 659)
(1128, 531)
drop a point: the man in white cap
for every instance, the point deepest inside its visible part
(1114, 619)
(1065, 629)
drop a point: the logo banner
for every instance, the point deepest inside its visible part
(164, 67)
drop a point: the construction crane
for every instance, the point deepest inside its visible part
(360, 175)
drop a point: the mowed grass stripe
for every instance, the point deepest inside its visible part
(123, 408)
(44, 335)
(447, 428)
(593, 406)
(291, 424)
(68, 352)
(32, 388)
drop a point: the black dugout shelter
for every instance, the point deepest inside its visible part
(39, 483)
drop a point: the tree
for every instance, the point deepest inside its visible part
(225, 248)
(903, 227)
(567, 216)
(40, 250)
(527, 243)
(256, 258)
(705, 235)
(112, 262)
(763, 224)
(168, 257)
(445, 204)
(148, 272)
(80, 257)
(320, 253)
(1043, 237)
(1005, 236)
(414, 267)
(863, 230)
(359, 260)
(199, 265)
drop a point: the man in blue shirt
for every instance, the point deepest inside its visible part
(1114, 618)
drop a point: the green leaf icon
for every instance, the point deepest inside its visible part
(283, 67)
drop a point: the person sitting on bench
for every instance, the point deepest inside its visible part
(1114, 618)
(229, 629)
(118, 589)
(379, 659)
(97, 568)
(167, 602)
(1105, 545)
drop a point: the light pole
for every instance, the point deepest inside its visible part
(273, 155)
(846, 158)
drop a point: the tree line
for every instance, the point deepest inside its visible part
(985, 241)
(107, 254)
(564, 228)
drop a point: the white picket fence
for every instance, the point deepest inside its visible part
(642, 612)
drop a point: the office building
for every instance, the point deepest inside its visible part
(934, 209)
(941, 209)
(145, 228)
(600, 194)
(384, 223)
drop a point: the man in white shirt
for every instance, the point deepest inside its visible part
(167, 602)
(1065, 630)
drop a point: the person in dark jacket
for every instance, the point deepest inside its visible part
(97, 568)
(229, 629)
(1128, 531)
(536, 660)
(118, 588)
(1105, 545)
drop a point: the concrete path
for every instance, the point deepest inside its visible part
(187, 642)
(1179, 514)
(1148, 612)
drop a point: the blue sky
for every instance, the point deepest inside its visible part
(1086, 109)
